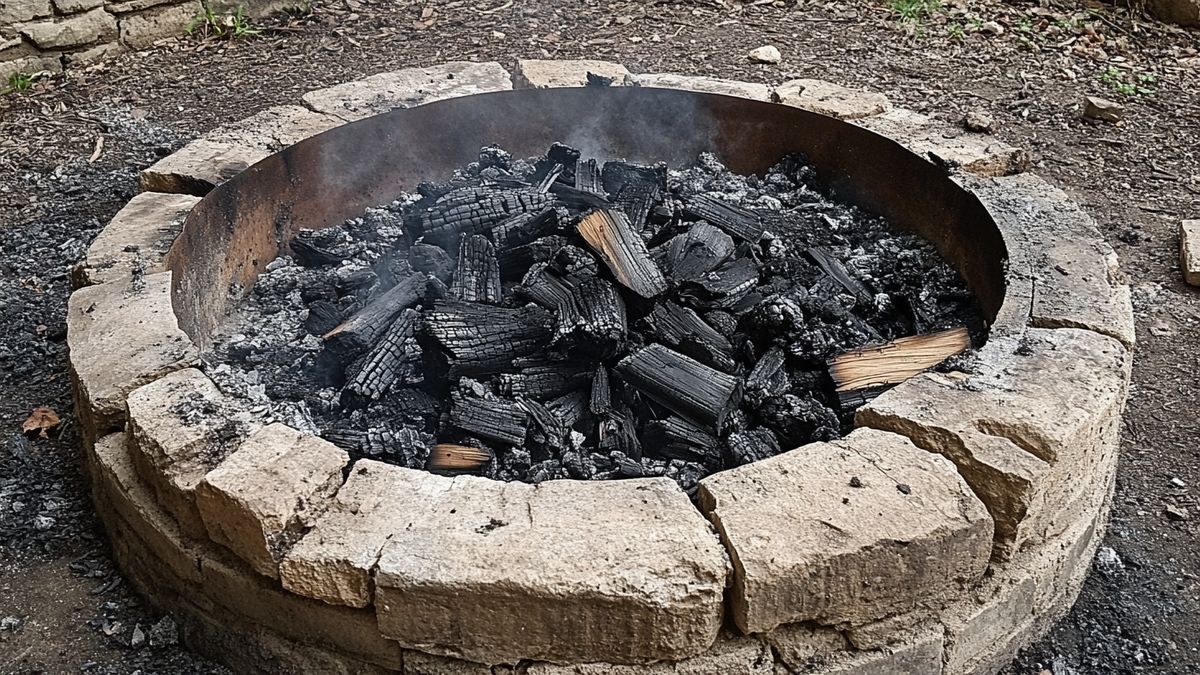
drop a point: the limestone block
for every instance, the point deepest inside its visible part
(731, 655)
(707, 85)
(831, 99)
(334, 561)
(120, 337)
(96, 25)
(180, 428)
(1056, 248)
(136, 238)
(977, 629)
(807, 545)
(230, 149)
(73, 6)
(976, 153)
(261, 498)
(918, 654)
(798, 644)
(30, 65)
(142, 30)
(543, 74)
(1189, 251)
(16, 11)
(1053, 395)
(127, 6)
(95, 53)
(381, 93)
(565, 571)
(420, 663)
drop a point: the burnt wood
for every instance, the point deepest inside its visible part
(682, 384)
(498, 420)
(476, 210)
(677, 438)
(481, 339)
(477, 278)
(395, 359)
(738, 222)
(623, 251)
(361, 331)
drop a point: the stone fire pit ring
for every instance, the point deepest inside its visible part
(983, 494)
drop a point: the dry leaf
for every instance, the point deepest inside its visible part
(41, 420)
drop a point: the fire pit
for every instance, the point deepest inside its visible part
(952, 524)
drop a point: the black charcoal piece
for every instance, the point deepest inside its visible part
(361, 331)
(591, 321)
(738, 222)
(723, 287)
(682, 329)
(743, 447)
(830, 265)
(610, 236)
(403, 445)
(476, 210)
(493, 419)
(617, 175)
(395, 359)
(323, 316)
(600, 401)
(480, 339)
(432, 260)
(616, 431)
(524, 228)
(799, 419)
(545, 287)
(700, 250)
(768, 378)
(477, 278)
(677, 438)
(313, 248)
(682, 384)
(587, 177)
(544, 381)
(516, 261)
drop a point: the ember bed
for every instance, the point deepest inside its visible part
(951, 524)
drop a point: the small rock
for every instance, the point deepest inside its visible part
(766, 54)
(904, 488)
(991, 28)
(1108, 562)
(978, 121)
(1177, 482)
(855, 482)
(43, 523)
(164, 633)
(1176, 512)
(1097, 108)
(11, 624)
(1189, 251)
(138, 638)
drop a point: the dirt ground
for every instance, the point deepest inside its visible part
(63, 608)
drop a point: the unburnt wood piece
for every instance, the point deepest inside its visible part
(432, 260)
(592, 321)
(722, 288)
(823, 258)
(516, 261)
(743, 447)
(396, 358)
(404, 445)
(600, 401)
(692, 254)
(454, 457)
(738, 222)
(475, 210)
(587, 176)
(677, 438)
(609, 234)
(497, 420)
(361, 331)
(896, 361)
(481, 339)
(543, 381)
(477, 278)
(682, 384)
(682, 329)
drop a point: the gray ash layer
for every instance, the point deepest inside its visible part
(576, 319)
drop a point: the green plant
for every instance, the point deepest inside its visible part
(20, 82)
(1128, 84)
(915, 11)
(956, 32)
(233, 25)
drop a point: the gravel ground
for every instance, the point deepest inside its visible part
(64, 609)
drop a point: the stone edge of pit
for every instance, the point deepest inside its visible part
(1027, 589)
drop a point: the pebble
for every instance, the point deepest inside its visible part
(904, 488)
(43, 523)
(991, 28)
(766, 54)
(10, 623)
(1108, 562)
(1176, 512)
(138, 638)
(1097, 108)
(978, 121)
(1177, 482)
(855, 482)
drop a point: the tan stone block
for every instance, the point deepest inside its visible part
(1189, 251)
(142, 30)
(420, 663)
(333, 562)
(1054, 395)
(565, 571)
(136, 238)
(707, 85)
(230, 149)
(16, 11)
(1054, 244)
(831, 99)
(94, 54)
(544, 74)
(30, 65)
(96, 25)
(981, 628)
(798, 644)
(384, 92)
(261, 498)
(731, 655)
(977, 153)
(806, 545)
(918, 654)
(181, 427)
(73, 6)
(120, 337)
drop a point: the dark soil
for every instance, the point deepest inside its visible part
(1138, 179)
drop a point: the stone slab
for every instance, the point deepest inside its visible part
(918, 654)
(73, 6)
(1027, 428)
(796, 645)
(384, 92)
(30, 65)
(976, 153)
(1189, 251)
(547, 73)
(121, 336)
(136, 238)
(707, 85)
(1056, 249)
(181, 427)
(333, 562)
(89, 27)
(143, 29)
(232, 148)
(16, 11)
(807, 545)
(831, 99)
(731, 655)
(263, 496)
(564, 571)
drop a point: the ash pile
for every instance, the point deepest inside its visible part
(559, 317)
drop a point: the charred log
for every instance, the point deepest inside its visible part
(481, 339)
(682, 384)
(610, 236)
(477, 278)
(676, 438)
(395, 359)
(738, 222)
(361, 331)
(494, 419)
(476, 210)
